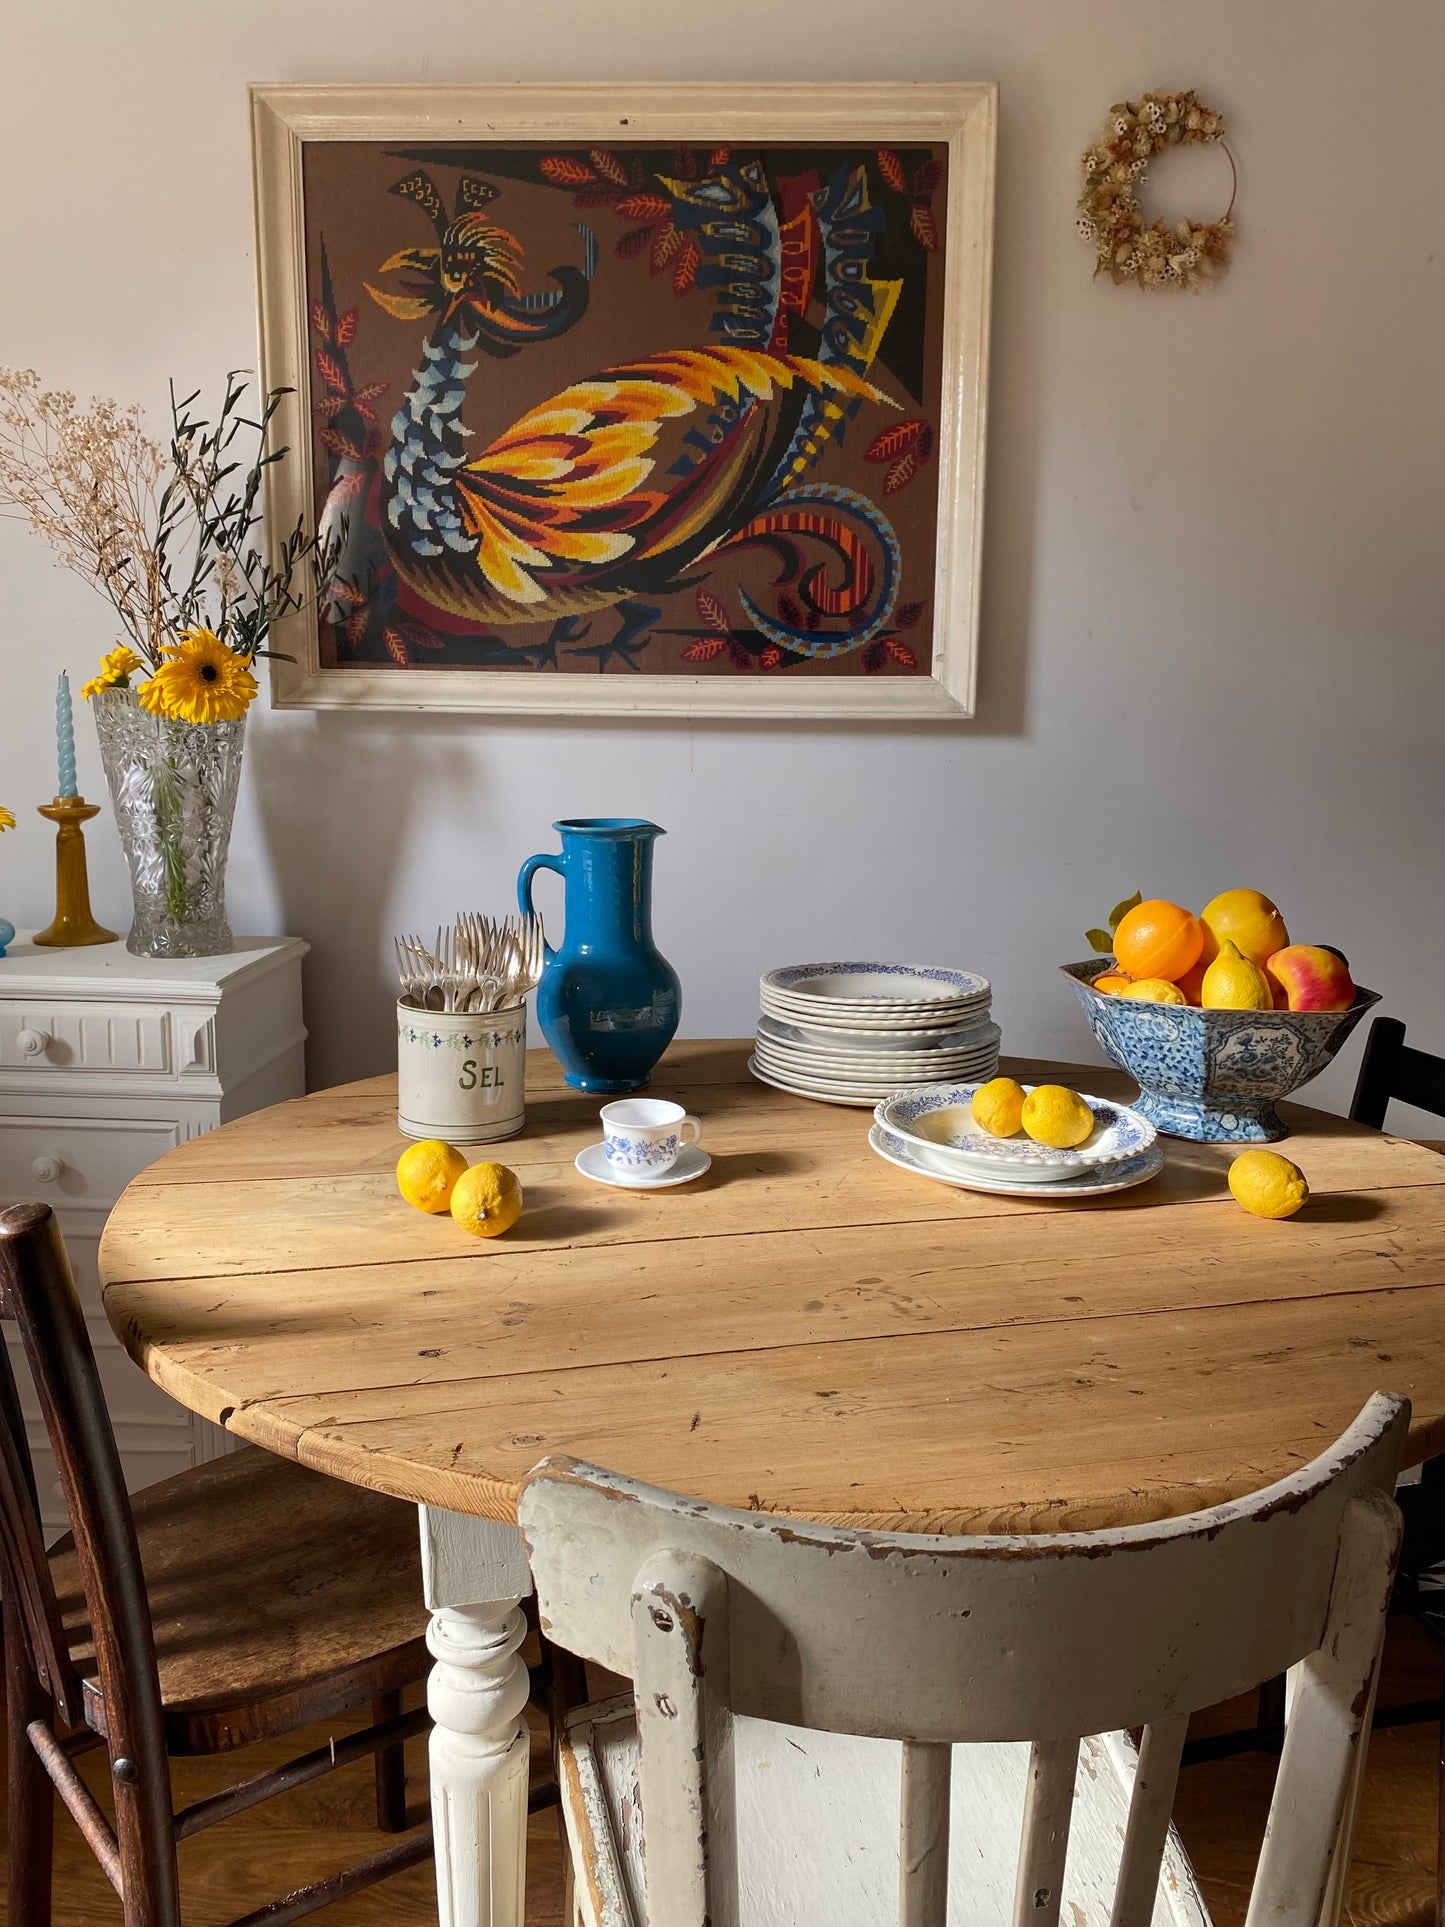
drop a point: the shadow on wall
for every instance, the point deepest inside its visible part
(338, 797)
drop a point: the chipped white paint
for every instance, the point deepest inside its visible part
(474, 1574)
(808, 1635)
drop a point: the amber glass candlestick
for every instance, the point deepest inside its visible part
(73, 923)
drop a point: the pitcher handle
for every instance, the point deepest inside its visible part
(524, 891)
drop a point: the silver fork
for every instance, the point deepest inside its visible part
(524, 965)
(425, 971)
(477, 945)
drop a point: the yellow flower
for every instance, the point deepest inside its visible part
(200, 681)
(116, 670)
(7, 818)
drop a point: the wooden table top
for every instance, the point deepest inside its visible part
(806, 1329)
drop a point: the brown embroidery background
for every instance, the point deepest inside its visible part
(644, 299)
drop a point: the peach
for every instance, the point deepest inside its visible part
(1311, 977)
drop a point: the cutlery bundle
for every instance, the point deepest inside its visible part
(477, 964)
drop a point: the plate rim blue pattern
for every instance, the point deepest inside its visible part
(1004, 1153)
(963, 985)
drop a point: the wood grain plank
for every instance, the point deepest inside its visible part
(357, 1219)
(1080, 1423)
(808, 1327)
(503, 1311)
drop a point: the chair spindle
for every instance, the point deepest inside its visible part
(927, 1778)
(1048, 1809)
(1150, 1811)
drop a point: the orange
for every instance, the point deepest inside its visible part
(1246, 919)
(1158, 939)
(1112, 982)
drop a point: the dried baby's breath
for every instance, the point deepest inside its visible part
(1186, 254)
(170, 536)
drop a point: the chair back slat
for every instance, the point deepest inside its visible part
(1097, 1613)
(1391, 1068)
(40, 1295)
(925, 1788)
(679, 1618)
(1420, 1080)
(1309, 1818)
(937, 1641)
(22, 1546)
(1044, 1846)
(1150, 1809)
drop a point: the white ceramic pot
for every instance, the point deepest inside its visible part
(461, 1076)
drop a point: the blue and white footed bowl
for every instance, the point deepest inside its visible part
(1213, 1075)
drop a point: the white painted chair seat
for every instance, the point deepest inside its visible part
(817, 1821)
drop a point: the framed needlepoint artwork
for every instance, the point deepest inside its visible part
(639, 400)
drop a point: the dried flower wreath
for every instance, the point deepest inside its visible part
(1126, 247)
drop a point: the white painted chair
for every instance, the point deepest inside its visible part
(840, 1729)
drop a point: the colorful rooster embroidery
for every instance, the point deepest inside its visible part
(621, 488)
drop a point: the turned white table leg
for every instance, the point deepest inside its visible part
(475, 1574)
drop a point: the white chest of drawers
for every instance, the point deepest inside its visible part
(106, 1061)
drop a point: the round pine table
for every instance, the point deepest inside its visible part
(805, 1329)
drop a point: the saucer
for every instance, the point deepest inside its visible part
(690, 1163)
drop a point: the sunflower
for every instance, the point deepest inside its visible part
(116, 670)
(7, 818)
(200, 681)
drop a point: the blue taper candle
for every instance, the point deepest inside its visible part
(65, 739)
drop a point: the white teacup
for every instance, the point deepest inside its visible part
(642, 1136)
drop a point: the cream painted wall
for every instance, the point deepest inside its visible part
(1211, 645)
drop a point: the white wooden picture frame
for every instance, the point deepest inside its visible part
(286, 120)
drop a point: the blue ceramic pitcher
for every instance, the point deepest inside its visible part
(609, 1001)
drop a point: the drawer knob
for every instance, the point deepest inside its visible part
(33, 1043)
(47, 1167)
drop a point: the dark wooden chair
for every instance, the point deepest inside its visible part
(1390, 1070)
(233, 1603)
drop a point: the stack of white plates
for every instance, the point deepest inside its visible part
(852, 1033)
(932, 1132)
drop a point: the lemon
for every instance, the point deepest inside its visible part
(1267, 1184)
(487, 1200)
(1233, 982)
(427, 1171)
(1057, 1117)
(1250, 919)
(1153, 990)
(998, 1107)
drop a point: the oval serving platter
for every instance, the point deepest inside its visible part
(938, 1120)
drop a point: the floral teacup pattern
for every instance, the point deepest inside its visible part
(642, 1136)
(632, 1153)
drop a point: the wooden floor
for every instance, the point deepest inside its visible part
(1221, 1811)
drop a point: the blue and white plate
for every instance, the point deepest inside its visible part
(881, 988)
(867, 1045)
(938, 1120)
(1094, 1183)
